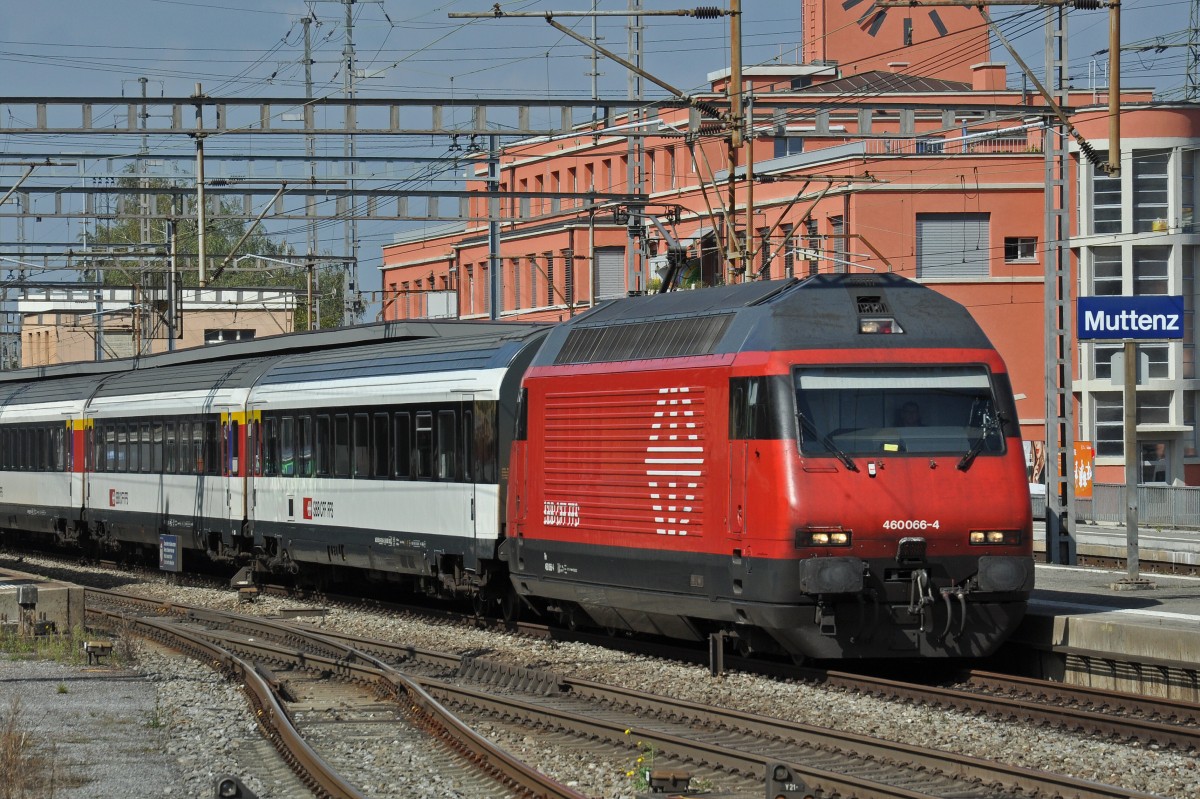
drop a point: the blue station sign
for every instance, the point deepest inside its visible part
(1142, 317)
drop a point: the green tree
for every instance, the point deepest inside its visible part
(146, 260)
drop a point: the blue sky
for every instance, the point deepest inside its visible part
(76, 48)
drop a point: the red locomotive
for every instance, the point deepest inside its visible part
(831, 468)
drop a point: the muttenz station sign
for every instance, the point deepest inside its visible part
(1142, 317)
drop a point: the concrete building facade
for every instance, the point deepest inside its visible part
(63, 325)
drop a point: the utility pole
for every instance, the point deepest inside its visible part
(201, 222)
(310, 151)
(635, 148)
(350, 313)
(735, 255)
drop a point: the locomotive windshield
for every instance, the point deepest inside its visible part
(901, 410)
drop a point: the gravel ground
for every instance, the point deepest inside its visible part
(207, 729)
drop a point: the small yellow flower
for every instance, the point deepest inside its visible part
(627, 732)
(628, 773)
(641, 760)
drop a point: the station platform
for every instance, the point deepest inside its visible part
(1086, 626)
(31, 605)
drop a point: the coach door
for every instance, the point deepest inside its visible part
(471, 477)
(233, 459)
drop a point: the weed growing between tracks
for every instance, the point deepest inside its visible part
(23, 771)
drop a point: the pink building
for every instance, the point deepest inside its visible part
(898, 147)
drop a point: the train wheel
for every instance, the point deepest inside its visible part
(510, 605)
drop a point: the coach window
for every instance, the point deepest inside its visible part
(122, 448)
(362, 445)
(324, 446)
(42, 447)
(304, 446)
(381, 439)
(424, 448)
(402, 451)
(135, 449)
(147, 448)
(212, 447)
(168, 448)
(184, 443)
(341, 445)
(271, 450)
(156, 449)
(287, 446)
(446, 446)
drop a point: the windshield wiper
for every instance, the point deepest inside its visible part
(989, 427)
(828, 442)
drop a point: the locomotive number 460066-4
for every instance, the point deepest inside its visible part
(912, 524)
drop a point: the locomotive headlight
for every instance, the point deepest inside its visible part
(879, 325)
(823, 538)
(995, 537)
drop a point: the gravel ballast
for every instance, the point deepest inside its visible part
(208, 731)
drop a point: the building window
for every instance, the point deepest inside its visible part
(764, 254)
(788, 145)
(1020, 248)
(1150, 265)
(568, 257)
(1106, 199)
(1106, 272)
(932, 146)
(1188, 280)
(953, 245)
(223, 336)
(837, 230)
(1108, 420)
(516, 271)
(1150, 211)
(549, 278)
(1157, 356)
(1187, 187)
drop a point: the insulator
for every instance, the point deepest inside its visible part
(709, 109)
(707, 12)
(1087, 5)
(1090, 151)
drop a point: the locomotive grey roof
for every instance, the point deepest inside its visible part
(821, 312)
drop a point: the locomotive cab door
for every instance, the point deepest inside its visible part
(747, 399)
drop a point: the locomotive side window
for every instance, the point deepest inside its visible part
(901, 410)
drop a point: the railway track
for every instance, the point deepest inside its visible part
(245, 649)
(684, 736)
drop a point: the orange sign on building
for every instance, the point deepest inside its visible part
(1085, 459)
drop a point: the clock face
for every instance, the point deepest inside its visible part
(872, 19)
